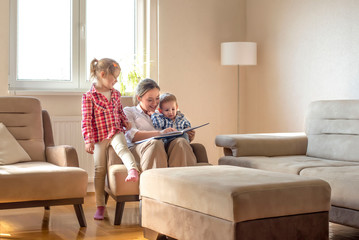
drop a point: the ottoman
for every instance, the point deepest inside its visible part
(227, 202)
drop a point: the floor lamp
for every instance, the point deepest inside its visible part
(240, 54)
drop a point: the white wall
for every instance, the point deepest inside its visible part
(190, 34)
(307, 50)
(4, 46)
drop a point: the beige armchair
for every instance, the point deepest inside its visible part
(122, 191)
(49, 175)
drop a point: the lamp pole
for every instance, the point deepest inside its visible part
(238, 101)
(240, 54)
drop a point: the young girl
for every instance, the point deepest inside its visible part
(104, 124)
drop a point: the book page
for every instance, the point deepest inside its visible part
(171, 134)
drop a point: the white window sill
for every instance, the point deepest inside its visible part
(51, 93)
(45, 92)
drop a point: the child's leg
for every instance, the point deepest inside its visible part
(119, 144)
(100, 175)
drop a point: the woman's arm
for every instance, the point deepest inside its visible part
(134, 134)
(140, 135)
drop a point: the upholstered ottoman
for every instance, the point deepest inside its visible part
(226, 202)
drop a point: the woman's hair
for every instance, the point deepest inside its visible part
(107, 65)
(167, 97)
(144, 86)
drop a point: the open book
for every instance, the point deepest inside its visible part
(171, 134)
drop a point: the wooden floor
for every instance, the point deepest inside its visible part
(61, 223)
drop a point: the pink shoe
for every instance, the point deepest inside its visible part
(132, 176)
(99, 213)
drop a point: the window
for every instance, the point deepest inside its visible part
(54, 41)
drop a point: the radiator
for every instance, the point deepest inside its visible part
(67, 131)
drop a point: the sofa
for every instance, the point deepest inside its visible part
(328, 149)
(33, 171)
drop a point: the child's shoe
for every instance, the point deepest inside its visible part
(132, 176)
(99, 215)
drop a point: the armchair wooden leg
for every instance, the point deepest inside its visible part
(80, 215)
(119, 212)
(106, 197)
(47, 207)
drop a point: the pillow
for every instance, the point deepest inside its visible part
(10, 150)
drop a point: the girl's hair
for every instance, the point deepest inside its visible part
(109, 66)
(144, 86)
(167, 97)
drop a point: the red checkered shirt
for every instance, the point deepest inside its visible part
(101, 119)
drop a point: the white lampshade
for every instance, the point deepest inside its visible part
(239, 53)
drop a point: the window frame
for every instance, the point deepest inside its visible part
(146, 30)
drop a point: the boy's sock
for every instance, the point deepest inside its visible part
(132, 176)
(99, 213)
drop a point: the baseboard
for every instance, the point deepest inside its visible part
(90, 187)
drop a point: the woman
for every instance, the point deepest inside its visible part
(152, 153)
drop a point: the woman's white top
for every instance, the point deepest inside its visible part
(139, 120)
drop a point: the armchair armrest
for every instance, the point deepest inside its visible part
(63, 155)
(200, 152)
(276, 144)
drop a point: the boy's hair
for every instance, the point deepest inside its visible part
(167, 97)
(144, 86)
(109, 66)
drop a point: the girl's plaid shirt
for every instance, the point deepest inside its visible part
(101, 119)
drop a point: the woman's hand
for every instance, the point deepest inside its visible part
(128, 125)
(89, 147)
(149, 113)
(167, 130)
(191, 135)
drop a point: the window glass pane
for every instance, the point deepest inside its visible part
(44, 40)
(111, 32)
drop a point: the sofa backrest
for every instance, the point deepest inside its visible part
(332, 127)
(22, 116)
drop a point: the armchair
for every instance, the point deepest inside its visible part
(51, 175)
(122, 191)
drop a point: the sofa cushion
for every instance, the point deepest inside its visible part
(332, 128)
(285, 164)
(343, 181)
(236, 194)
(10, 150)
(37, 180)
(23, 118)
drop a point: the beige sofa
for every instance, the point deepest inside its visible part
(33, 171)
(329, 150)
